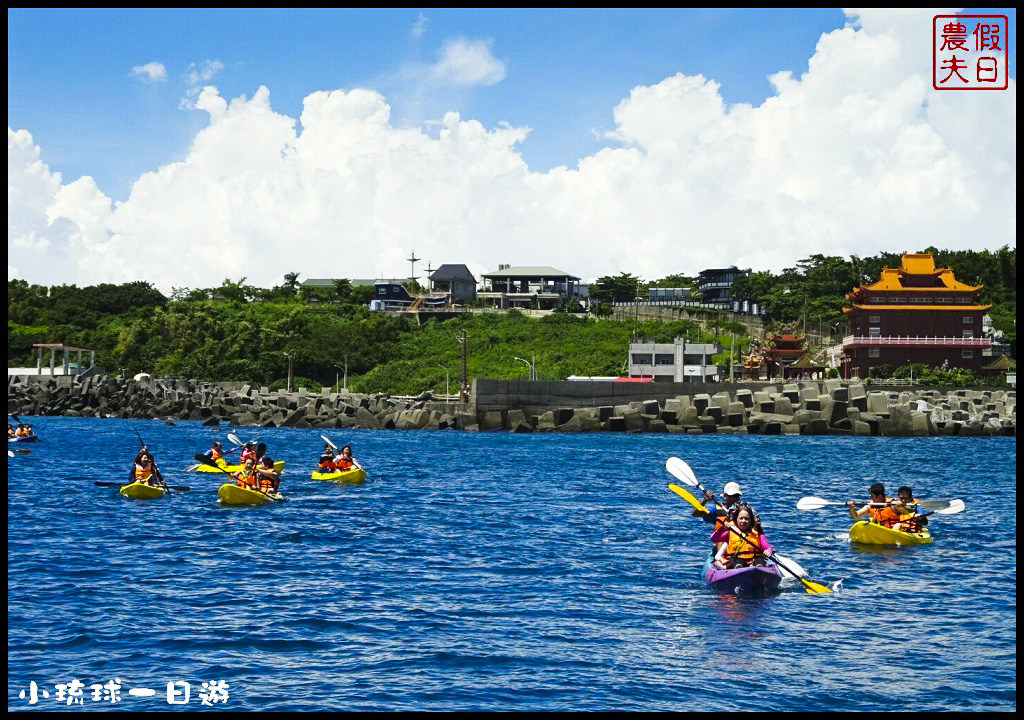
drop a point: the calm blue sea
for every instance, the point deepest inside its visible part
(501, 572)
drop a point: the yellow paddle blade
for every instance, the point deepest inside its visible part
(814, 588)
(685, 495)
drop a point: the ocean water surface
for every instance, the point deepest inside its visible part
(502, 572)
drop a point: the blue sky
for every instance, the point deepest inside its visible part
(69, 82)
(560, 73)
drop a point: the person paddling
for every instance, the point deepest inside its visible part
(10, 431)
(248, 451)
(883, 510)
(344, 460)
(911, 523)
(269, 481)
(327, 460)
(216, 453)
(246, 477)
(750, 548)
(145, 470)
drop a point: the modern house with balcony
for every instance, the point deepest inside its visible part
(678, 361)
(916, 313)
(542, 288)
(715, 286)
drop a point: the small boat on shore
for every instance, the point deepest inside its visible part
(870, 533)
(750, 580)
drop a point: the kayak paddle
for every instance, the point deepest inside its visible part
(816, 503)
(205, 460)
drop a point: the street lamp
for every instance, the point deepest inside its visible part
(446, 398)
(533, 369)
(337, 377)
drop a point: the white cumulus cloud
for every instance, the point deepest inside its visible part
(151, 72)
(857, 155)
(468, 62)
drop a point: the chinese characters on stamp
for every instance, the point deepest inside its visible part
(969, 52)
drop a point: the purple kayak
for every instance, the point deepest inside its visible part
(753, 580)
(23, 438)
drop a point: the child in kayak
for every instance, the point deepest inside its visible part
(912, 523)
(327, 460)
(883, 510)
(246, 477)
(248, 451)
(269, 481)
(742, 550)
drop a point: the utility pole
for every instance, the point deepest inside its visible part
(732, 363)
(412, 275)
(289, 355)
(464, 383)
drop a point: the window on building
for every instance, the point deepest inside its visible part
(875, 318)
(967, 353)
(968, 333)
(874, 332)
(874, 352)
(968, 319)
(641, 359)
(664, 359)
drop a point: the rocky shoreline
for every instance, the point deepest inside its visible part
(830, 407)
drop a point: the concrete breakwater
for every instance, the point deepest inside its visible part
(830, 407)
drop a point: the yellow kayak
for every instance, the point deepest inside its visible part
(141, 490)
(231, 494)
(221, 465)
(871, 533)
(355, 475)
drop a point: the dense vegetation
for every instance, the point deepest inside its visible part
(240, 332)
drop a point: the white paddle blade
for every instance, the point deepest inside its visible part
(192, 468)
(680, 470)
(792, 565)
(936, 505)
(813, 503)
(235, 440)
(955, 506)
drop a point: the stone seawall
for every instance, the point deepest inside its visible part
(831, 407)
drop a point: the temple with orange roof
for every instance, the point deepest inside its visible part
(916, 313)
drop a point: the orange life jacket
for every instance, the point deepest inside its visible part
(246, 478)
(739, 552)
(912, 523)
(267, 484)
(216, 454)
(884, 516)
(142, 473)
(344, 464)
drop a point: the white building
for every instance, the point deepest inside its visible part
(679, 361)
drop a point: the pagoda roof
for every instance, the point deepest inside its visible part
(806, 363)
(920, 266)
(1000, 363)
